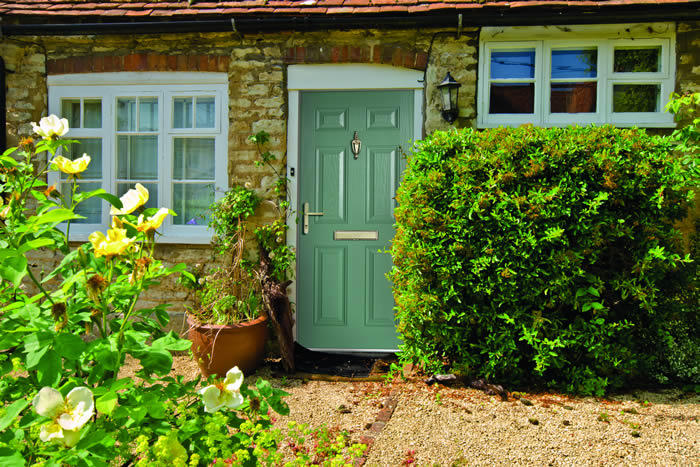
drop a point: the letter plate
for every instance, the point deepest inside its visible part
(356, 235)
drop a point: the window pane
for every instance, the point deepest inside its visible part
(93, 148)
(638, 60)
(93, 113)
(191, 203)
(194, 159)
(70, 110)
(512, 98)
(126, 114)
(152, 193)
(636, 97)
(513, 64)
(137, 157)
(206, 111)
(148, 114)
(91, 208)
(573, 97)
(182, 112)
(577, 63)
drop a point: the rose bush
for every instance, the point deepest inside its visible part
(65, 334)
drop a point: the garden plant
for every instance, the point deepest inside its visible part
(65, 334)
(550, 256)
(251, 263)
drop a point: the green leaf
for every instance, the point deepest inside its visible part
(93, 438)
(37, 345)
(69, 346)
(158, 361)
(110, 198)
(54, 216)
(137, 413)
(120, 384)
(276, 402)
(70, 258)
(14, 268)
(48, 370)
(264, 387)
(11, 413)
(34, 244)
(506, 318)
(11, 458)
(171, 342)
(593, 292)
(106, 403)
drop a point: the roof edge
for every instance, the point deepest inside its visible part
(523, 16)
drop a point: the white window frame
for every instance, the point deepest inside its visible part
(605, 38)
(166, 86)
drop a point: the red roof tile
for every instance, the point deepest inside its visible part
(82, 9)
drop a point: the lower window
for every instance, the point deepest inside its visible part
(170, 138)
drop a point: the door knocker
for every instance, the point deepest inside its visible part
(356, 145)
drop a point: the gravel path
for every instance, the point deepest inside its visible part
(465, 427)
(444, 426)
(439, 425)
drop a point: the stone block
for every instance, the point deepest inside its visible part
(377, 427)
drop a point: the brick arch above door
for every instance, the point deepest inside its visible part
(378, 54)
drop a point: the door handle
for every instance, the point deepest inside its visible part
(306, 213)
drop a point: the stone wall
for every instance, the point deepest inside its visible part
(688, 80)
(256, 66)
(688, 57)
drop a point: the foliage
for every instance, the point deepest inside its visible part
(541, 255)
(232, 293)
(675, 338)
(75, 334)
(330, 446)
(686, 108)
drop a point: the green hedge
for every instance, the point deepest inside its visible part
(544, 255)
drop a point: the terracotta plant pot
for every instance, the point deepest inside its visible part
(219, 348)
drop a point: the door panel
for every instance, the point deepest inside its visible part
(329, 193)
(378, 289)
(344, 298)
(330, 265)
(381, 175)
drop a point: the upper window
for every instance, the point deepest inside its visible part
(560, 80)
(171, 138)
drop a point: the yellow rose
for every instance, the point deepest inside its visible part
(131, 200)
(114, 244)
(70, 167)
(153, 222)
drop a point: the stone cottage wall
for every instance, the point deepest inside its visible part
(688, 80)
(256, 66)
(688, 57)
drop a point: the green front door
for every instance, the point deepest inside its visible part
(344, 298)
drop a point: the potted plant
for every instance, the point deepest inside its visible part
(234, 299)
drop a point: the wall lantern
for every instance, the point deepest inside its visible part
(449, 89)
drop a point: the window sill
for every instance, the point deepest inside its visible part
(163, 239)
(554, 125)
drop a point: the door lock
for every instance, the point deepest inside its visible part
(306, 214)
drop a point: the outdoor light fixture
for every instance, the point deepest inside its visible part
(449, 88)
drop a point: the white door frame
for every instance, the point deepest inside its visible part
(339, 77)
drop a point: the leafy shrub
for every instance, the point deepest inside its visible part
(541, 255)
(62, 349)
